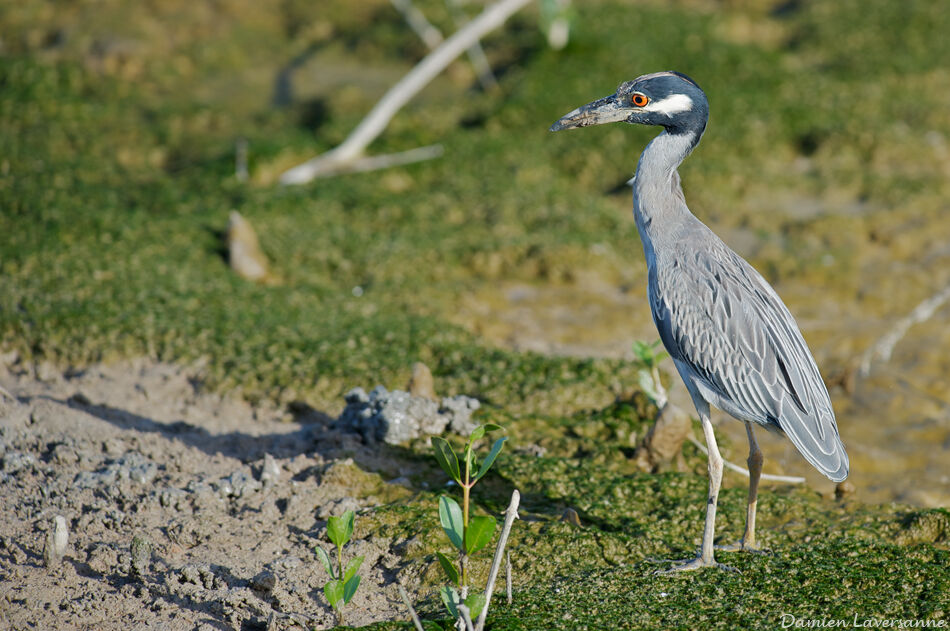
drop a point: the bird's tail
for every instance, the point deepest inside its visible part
(816, 437)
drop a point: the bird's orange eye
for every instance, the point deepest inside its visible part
(639, 100)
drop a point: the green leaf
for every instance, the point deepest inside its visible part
(491, 427)
(475, 602)
(450, 570)
(450, 514)
(478, 433)
(479, 533)
(333, 590)
(450, 598)
(349, 588)
(351, 568)
(446, 458)
(490, 458)
(340, 529)
(326, 561)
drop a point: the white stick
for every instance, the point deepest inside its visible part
(467, 617)
(508, 575)
(510, 516)
(791, 479)
(373, 163)
(885, 346)
(400, 94)
(417, 21)
(412, 612)
(475, 53)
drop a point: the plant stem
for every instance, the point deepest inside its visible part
(466, 489)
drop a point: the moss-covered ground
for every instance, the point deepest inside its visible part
(118, 123)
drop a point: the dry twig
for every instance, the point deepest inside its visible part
(467, 617)
(476, 55)
(337, 159)
(790, 479)
(417, 22)
(412, 612)
(885, 346)
(510, 516)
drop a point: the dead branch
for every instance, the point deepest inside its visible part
(397, 96)
(476, 55)
(510, 516)
(790, 479)
(885, 345)
(417, 21)
(412, 612)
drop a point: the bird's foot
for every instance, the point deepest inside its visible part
(743, 546)
(691, 564)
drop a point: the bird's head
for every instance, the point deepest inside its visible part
(668, 99)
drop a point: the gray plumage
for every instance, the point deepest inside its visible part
(732, 338)
(733, 341)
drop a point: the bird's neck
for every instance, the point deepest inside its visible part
(658, 204)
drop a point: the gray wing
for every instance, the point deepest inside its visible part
(745, 353)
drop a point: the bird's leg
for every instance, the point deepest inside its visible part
(747, 543)
(706, 556)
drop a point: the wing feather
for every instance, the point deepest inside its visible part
(717, 315)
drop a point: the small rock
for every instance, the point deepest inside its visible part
(244, 251)
(665, 438)
(270, 471)
(57, 538)
(420, 383)
(844, 489)
(570, 516)
(141, 551)
(265, 581)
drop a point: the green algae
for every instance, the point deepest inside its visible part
(825, 559)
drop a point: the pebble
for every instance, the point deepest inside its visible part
(270, 471)
(265, 581)
(141, 550)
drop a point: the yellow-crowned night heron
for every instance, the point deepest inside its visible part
(732, 339)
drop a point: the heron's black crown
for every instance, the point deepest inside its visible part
(676, 102)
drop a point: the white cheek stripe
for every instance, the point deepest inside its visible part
(671, 105)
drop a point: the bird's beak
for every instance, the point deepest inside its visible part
(605, 110)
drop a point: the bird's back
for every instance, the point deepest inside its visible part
(740, 345)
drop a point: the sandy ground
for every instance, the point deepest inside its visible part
(231, 499)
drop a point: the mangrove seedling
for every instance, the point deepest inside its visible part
(343, 582)
(649, 357)
(467, 534)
